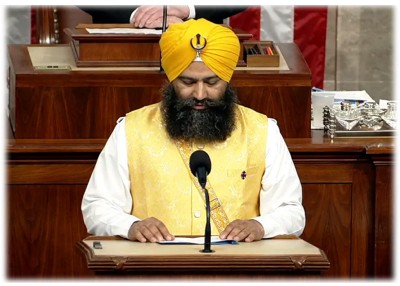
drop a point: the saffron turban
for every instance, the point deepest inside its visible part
(220, 52)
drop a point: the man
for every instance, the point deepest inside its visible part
(142, 187)
(152, 16)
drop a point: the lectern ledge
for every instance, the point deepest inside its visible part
(265, 258)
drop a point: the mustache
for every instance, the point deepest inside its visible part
(190, 102)
(213, 124)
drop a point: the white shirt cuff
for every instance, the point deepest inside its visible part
(192, 12)
(133, 14)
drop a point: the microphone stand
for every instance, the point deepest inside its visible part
(164, 23)
(164, 26)
(207, 236)
(200, 166)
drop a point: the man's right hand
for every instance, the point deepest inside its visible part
(149, 230)
(151, 16)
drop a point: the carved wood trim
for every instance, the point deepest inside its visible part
(47, 26)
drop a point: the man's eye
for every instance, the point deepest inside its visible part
(188, 81)
(212, 81)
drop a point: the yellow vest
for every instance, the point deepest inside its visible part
(162, 185)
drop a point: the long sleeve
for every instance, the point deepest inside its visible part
(217, 14)
(107, 202)
(122, 14)
(109, 14)
(281, 194)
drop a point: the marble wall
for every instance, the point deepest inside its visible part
(360, 50)
(18, 24)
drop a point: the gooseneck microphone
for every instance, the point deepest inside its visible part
(163, 28)
(200, 166)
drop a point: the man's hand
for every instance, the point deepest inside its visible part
(151, 16)
(149, 229)
(158, 22)
(243, 230)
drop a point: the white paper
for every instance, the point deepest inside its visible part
(359, 95)
(124, 31)
(198, 240)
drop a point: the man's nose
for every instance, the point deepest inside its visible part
(200, 91)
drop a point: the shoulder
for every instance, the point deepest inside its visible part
(148, 109)
(144, 118)
(251, 114)
(273, 124)
(260, 120)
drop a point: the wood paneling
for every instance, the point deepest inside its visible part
(346, 195)
(384, 211)
(46, 183)
(79, 112)
(328, 223)
(44, 221)
(84, 104)
(362, 220)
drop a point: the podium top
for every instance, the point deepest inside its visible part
(281, 254)
(80, 32)
(262, 248)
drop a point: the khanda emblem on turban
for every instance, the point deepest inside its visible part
(198, 43)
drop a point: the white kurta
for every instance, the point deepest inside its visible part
(107, 202)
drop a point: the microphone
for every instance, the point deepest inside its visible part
(200, 166)
(164, 26)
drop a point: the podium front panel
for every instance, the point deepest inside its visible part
(54, 99)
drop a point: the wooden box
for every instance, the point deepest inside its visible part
(261, 54)
(122, 49)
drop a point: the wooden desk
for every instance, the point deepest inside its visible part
(347, 195)
(84, 103)
(347, 188)
(115, 49)
(256, 260)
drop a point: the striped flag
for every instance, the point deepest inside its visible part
(305, 26)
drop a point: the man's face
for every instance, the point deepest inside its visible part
(200, 83)
(198, 105)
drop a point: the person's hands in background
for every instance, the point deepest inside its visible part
(152, 16)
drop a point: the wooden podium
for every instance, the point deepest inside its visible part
(51, 98)
(261, 259)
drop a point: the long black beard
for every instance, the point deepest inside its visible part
(213, 124)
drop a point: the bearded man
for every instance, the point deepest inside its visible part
(142, 188)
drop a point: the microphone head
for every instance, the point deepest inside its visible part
(199, 159)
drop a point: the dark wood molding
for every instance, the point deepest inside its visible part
(346, 195)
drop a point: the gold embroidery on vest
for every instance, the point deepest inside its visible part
(239, 197)
(217, 212)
